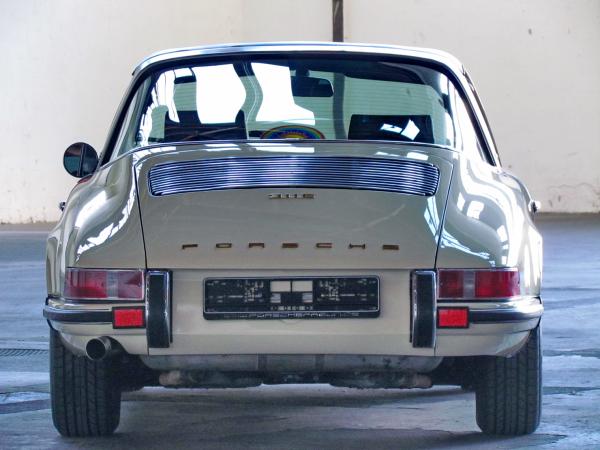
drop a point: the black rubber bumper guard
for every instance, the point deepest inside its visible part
(423, 308)
(158, 309)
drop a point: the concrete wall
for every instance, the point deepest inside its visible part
(66, 64)
(536, 65)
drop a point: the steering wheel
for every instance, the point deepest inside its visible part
(292, 132)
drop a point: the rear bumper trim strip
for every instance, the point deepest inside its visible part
(78, 316)
(504, 315)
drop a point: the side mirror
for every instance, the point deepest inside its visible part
(80, 159)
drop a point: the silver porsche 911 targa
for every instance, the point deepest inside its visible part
(295, 213)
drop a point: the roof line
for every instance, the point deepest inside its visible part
(215, 49)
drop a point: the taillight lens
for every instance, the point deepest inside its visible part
(478, 284)
(98, 284)
(450, 284)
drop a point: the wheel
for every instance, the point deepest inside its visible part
(509, 391)
(85, 394)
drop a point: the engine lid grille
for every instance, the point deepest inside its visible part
(328, 172)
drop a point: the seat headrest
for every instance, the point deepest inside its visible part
(408, 128)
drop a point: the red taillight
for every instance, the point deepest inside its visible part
(129, 318)
(85, 284)
(496, 284)
(453, 317)
(450, 284)
(130, 285)
(98, 284)
(477, 284)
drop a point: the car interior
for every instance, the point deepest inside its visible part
(306, 99)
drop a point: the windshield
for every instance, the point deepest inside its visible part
(253, 98)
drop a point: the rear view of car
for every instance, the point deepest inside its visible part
(295, 213)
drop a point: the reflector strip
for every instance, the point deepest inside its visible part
(129, 318)
(453, 317)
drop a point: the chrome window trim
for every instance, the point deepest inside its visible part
(290, 47)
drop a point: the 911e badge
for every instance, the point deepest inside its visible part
(279, 196)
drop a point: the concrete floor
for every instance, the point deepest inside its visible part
(318, 416)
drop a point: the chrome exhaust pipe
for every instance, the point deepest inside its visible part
(98, 348)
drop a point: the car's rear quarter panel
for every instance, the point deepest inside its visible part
(100, 226)
(488, 224)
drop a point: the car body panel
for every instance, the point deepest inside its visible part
(100, 226)
(183, 230)
(480, 217)
(488, 224)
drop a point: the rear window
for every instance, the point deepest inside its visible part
(274, 98)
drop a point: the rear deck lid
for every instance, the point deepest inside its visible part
(351, 205)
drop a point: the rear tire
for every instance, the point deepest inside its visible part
(509, 391)
(85, 394)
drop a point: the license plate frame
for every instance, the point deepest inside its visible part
(346, 297)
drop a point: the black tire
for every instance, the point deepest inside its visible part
(85, 394)
(509, 391)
